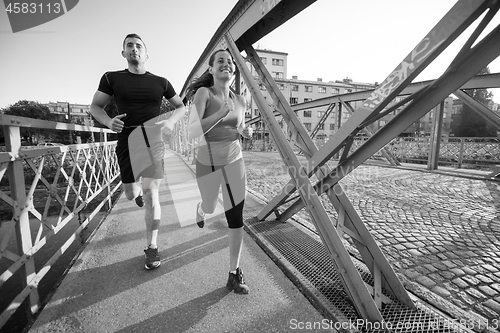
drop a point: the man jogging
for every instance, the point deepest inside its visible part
(140, 148)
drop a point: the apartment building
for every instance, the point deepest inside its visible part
(297, 90)
(78, 113)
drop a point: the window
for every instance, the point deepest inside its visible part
(307, 99)
(307, 126)
(278, 62)
(322, 90)
(255, 112)
(308, 88)
(295, 87)
(264, 60)
(281, 86)
(321, 127)
(335, 91)
(307, 113)
(294, 100)
(332, 127)
(320, 114)
(278, 75)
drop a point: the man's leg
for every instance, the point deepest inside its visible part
(152, 216)
(132, 190)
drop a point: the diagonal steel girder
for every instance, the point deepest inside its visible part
(248, 21)
(470, 63)
(348, 273)
(460, 16)
(351, 223)
(482, 110)
(476, 82)
(369, 133)
(322, 120)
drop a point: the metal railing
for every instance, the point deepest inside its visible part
(43, 190)
(459, 152)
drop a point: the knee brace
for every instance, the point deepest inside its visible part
(234, 216)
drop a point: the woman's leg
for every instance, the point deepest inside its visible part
(209, 183)
(234, 200)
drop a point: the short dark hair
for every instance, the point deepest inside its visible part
(132, 36)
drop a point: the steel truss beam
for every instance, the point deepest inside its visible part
(476, 82)
(354, 285)
(349, 223)
(482, 110)
(323, 119)
(466, 66)
(249, 21)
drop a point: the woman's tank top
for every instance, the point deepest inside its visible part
(222, 142)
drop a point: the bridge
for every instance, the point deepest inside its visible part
(357, 280)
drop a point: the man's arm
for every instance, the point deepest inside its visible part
(179, 112)
(99, 101)
(180, 108)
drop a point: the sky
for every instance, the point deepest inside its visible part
(63, 60)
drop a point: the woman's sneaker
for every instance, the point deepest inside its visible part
(152, 258)
(236, 282)
(200, 219)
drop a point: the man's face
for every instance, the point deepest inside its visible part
(134, 51)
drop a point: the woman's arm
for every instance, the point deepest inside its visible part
(246, 132)
(198, 125)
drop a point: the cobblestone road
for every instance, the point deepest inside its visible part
(440, 233)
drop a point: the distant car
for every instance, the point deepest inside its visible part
(49, 144)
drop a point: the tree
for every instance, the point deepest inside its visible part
(30, 109)
(471, 123)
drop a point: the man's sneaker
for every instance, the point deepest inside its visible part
(152, 258)
(200, 219)
(235, 282)
(139, 200)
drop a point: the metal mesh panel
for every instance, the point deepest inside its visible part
(307, 259)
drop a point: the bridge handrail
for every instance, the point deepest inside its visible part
(47, 189)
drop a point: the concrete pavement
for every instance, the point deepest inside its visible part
(440, 230)
(108, 289)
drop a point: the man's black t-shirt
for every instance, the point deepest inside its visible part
(137, 95)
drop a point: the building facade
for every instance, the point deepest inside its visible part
(76, 113)
(297, 90)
